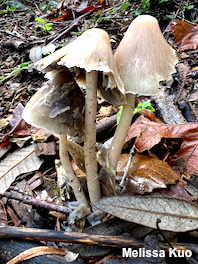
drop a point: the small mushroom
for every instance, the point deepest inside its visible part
(58, 106)
(143, 59)
(90, 55)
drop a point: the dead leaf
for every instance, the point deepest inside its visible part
(77, 153)
(36, 251)
(150, 133)
(17, 117)
(74, 5)
(18, 125)
(145, 174)
(12, 215)
(5, 146)
(79, 173)
(176, 191)
(185, 34)
(176, 215)
(20, 142)
(4, 123)
(42, 135)
(20, 161)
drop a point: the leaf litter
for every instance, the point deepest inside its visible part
(150, 133)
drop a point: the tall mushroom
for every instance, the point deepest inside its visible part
(58, 106)
(91, 54)
(143, 59)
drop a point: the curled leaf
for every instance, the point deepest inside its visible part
(185, 34)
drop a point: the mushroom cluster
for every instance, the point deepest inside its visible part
(90, 59)
(142, 59)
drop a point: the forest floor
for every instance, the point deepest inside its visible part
(165, 135)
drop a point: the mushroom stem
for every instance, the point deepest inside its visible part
(120, 134)
(73, 179)
(90, 136)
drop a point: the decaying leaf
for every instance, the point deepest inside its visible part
(73, 5)
(145, 174)
(36, 251)
(150, 133)
(17, 123)
(185, 34)
(77, 153)
(176, 191)
(176, 215)
(16, 163)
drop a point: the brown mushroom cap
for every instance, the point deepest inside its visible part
(58, 106)
(89, 52)
(144, 58)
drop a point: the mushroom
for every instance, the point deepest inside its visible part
(89, 55)
(58, 106)
(143, 59)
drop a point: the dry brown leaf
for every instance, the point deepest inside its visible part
(185, 34)
(77, 153)
(176, 215)
(149, 134)
(17, 123)
(36, 251)
(176, 191)
(20, 161)
(150, 115)
(145, 174)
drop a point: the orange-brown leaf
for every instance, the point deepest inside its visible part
(145, 174)
(185, 34)
(36, 251)
(149, 134)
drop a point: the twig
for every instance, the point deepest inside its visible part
(37, 203)
(105, 259)
(80, 238)
(157, 224)
(14, 188)
(181, 88)
(131, 154)
(74, 23)
(175, 15)
(192, 110)
(9, 76)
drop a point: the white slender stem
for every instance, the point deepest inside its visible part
(120, 134)
(90, 136)
(73, 179)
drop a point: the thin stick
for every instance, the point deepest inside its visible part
(26, 199)
(74, 23)
(81, 238)
(132, 153)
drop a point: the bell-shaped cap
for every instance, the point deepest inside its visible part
(89, 52)
(144, 58)
(58, 106)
